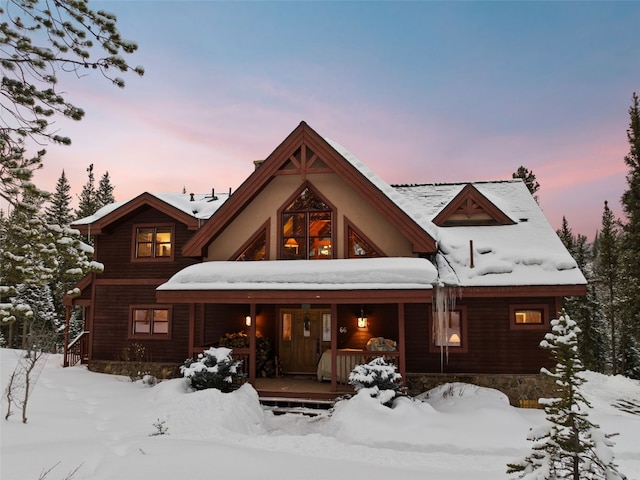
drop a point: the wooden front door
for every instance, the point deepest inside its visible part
(301, 338)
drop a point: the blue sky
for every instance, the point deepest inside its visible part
(419, 91)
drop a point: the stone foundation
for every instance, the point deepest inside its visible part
(136, 369)
(522, 390)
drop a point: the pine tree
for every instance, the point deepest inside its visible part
(529, 179)
(606, 277)
(587, 310)
(569, 445)
(87, 204)
(630, 309)
(58, 212)
(566, 235)
(104, 194)
(29, 264)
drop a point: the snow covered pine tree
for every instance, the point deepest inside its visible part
(568, 445)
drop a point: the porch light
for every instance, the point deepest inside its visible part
(362, 319)
(454, 339)
(247, 320)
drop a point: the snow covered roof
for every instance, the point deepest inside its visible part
(528, 252)
(201, 207)
(388, 273)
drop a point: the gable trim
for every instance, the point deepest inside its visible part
(144, 199)
(460, 204)
(304, 135)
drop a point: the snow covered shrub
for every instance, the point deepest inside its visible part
(214, 368)
(377, 378)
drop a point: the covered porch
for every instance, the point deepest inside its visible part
(321, 318)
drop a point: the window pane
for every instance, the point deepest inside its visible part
(161, 327)
(145, 235)
(286, 326)
(359, 248)
(144, 250)
(257, 250)
(449, 334)
(163, 250)
(142, 327)
(161, 315)
(528, 316)
(163, 235)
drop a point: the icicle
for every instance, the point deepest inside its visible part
(445, 302)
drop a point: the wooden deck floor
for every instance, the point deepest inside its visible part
(299, 386)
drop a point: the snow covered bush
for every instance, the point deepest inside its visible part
(377, 378)
(568, 445)
(214, 368)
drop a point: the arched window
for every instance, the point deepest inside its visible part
(307, 228)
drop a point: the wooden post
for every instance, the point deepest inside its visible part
(252, 345)
(334, 347)
(401, 342)
(67, 308)
(192, 329)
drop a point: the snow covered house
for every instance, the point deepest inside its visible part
(320, 260)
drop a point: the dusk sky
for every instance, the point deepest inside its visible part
(421, 92)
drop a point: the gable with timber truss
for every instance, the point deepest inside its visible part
(471, 208)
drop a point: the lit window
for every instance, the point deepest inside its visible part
(449, 332)
(150, 322)
(359, 247)
(306, 228)
(153, 242)
(529, 316)
(255, 250)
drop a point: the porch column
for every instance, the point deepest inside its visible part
(252, 345)
(334, 347)
(401, 343)
(67, 322)
(192, 329)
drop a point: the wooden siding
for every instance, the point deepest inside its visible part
(114, 249)
(110, 332)
(493, 347)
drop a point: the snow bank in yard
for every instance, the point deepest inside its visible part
(105, 425)
(209, 413)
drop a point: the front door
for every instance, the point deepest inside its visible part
(303, 338)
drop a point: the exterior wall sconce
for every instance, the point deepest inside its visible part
(362, 319)
(454, 339)
(247, 320)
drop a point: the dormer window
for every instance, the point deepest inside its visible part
(307, 232)
(153, 242)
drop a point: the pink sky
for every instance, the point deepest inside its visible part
(420, 92)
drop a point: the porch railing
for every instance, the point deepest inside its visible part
(347, 360)
(78, 350)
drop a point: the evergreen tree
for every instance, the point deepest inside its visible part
(606, 277)
(569, 445)
(587, 310)
(39, 42)
(88, 204)
(566, 235)
(104, 194)
(29, 264)
(630, 308)
(58, 212)
(529, 179)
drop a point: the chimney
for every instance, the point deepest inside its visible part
(191, 197)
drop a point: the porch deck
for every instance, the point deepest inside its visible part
(299, 387)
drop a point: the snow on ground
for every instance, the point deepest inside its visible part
(104, 424)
